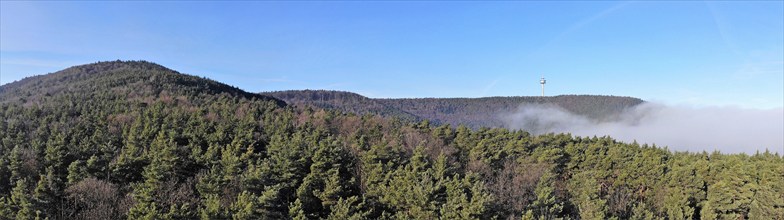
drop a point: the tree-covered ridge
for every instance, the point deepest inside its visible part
(116, 79)
(472, 112)
(342, 101)
(215, 155)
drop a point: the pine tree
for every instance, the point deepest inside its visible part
(162, 167)
(5, 175)
(15, 164)
(55, 152)
(270, 202)
(768, 199)
(21, 202)
(683, 187)
(466, 198)
(546, 205)
(43, 196)
(731, 195)
(6, 209)
(348, 209)
(327, 182)
(245, 207)
(410, 189)
(76, 172)
(296, 212)
(211, 208)
(588, 200)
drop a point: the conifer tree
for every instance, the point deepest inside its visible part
(245, 207)
(76, 172)
(161, 168)
(21, 202)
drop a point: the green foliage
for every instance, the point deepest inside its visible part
(245, 207)
(135, 140)
(211, 208)
(19, 204)
(349, 209)
(547, 205)
(587, 193)
(76, 172)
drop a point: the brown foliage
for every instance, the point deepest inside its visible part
(515, 184)
(30, 163)
(94, 199)
(179, 193)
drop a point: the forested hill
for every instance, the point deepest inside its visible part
(472, 112)
(134, 140)
(140, 81)
(342, 101)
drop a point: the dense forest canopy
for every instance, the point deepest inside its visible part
(135, 140)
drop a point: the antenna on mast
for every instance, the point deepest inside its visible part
(542, 81)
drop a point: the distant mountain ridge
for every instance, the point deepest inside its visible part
(472, 112)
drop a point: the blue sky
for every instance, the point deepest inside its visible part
(693, 53)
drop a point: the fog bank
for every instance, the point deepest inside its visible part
(681, 128)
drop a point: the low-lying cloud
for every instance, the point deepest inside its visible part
(680, 128)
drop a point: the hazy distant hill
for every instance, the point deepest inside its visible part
(472, 112)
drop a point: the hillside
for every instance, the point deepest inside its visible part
(128, 80)
(343, 101)
(135, 140)
(472, 112)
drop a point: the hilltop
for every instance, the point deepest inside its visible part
(135, 81)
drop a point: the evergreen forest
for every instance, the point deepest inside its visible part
(136, 140)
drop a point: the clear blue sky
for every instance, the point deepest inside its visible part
(696, 53)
